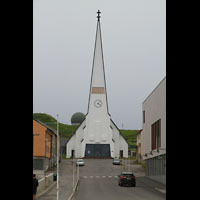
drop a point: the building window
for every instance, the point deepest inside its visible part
(156, 135)
(143, 116)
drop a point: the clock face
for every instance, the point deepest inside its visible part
(98, 103)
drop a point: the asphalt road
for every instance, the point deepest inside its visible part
(99, 181)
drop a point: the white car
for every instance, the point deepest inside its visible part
(80, 162)
(116, 161)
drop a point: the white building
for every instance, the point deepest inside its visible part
(97, 135)
(154, 131)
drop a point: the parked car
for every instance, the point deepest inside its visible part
(116, 161)
(127, 178)
(80, 162)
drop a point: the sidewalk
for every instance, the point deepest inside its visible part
(156, 182)
(157, 185)
(65, 184)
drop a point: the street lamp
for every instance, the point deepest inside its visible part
(57, 158)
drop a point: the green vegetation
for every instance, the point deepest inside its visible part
(67, 130)
(131, 138)
(143, 165)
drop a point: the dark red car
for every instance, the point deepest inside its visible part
(127, 178)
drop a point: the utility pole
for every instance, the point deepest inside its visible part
(58, 159)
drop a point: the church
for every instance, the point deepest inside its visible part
(97, 136)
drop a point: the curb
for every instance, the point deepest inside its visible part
(46, 190)
(74, 191)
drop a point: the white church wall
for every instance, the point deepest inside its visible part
(98, 126)
(115, 137)
(123, 145)
(78, 140)
(70, 146)
(120, 143)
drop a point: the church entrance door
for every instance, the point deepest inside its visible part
(97, 150)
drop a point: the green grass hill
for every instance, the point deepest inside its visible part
(66, 130)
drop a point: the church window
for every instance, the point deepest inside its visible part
(143, 116)
(156, 135)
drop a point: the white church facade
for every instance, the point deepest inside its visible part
(97, 136)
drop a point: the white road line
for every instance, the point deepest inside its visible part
(100, 176)
(161, 190)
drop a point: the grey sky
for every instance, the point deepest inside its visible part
(134, 49)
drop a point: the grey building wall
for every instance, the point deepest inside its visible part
(41, 163)
(156, 166)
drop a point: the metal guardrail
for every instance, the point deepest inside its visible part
(44, 183)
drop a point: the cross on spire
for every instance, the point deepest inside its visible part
(98, 15)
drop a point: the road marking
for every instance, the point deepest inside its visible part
(161, 190)
(100, 176)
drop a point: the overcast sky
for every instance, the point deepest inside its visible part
(134, 49)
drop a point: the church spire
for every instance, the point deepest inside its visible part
(98, 83)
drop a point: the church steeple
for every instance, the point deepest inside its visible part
(98, 83)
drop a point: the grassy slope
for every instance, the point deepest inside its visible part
(64, 129)
(67, 130)
(130, 136)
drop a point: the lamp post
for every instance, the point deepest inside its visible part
(57, 158)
